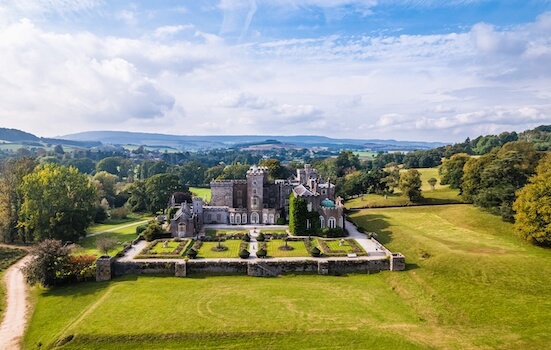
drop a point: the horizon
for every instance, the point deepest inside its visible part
(412, 70)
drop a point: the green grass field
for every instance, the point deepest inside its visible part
(121, 234)
(440, 195)
(232, 252)
(469, 284)
(204, 193)
(299, 250)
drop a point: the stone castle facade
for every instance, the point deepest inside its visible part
(258, 201)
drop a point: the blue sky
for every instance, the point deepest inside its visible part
(409, 70)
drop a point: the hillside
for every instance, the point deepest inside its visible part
(229, 141)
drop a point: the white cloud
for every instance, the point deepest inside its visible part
(167, 31)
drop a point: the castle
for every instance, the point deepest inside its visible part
(258, 201)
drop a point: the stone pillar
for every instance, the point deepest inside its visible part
(323, 267)
(103, 269)
(180, 269)
(397, 262)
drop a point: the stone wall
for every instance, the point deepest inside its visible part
(104, 270)
(143, 267)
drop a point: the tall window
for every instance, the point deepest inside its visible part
(331, 222)
(322, 222)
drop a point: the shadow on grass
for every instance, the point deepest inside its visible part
(411, 266)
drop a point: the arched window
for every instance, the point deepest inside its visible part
(331, 222)
(265, 218)
(271, 219)
(232, 218)
(244, 218)
(237, 219)
(309, 206)
(322, 222)
(341, 222)
(254, 218)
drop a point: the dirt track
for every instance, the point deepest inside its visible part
(15, 317)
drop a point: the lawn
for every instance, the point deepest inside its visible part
(232, 252)
(8, 257)
(440, 195)
(122, 235)
(299, 250)
(333, 247)
(201, 192)
(469, 284)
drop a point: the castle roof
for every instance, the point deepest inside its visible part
(302, 191)
(327, 203)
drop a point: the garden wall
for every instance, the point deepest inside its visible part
(106, 268)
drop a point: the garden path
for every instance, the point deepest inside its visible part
(17, 307)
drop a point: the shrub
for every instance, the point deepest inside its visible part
(316, 252)
(119, 213)
(50, 264)
(261, 237)
(153, 231)
(140, 229)
(244, 254)
(192, 253)
(247, 238)
(261, 253)
(281, 221)
(82, 268)
(100, 215)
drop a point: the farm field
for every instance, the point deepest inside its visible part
(470, 284)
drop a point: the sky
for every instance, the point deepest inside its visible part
(416, 70)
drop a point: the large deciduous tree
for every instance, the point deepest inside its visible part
(159, 188)
(451, 170)
(410, 184)
(533, 206)
(58, 203)
(491, 181)
(11, 176)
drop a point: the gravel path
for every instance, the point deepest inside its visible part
(17, 307)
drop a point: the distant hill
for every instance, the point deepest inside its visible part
(28, 139)
(184, 142)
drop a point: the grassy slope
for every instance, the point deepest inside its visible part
(440, 195)
(201, 192)
(470, 284)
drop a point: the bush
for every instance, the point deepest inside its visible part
(316, 252)
(244, 254)
(50, 264)
(192, 253)
(247, 238)
(101, 215)
(154, 231)
(281, 221)
(140, 229)
(119, 213)
(261, 237)
(261, 253)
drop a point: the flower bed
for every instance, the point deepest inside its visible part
(333, 247)
(164, 249)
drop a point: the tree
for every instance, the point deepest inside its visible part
(533, 206)
(105, 244)
(58, 203)
(105, 185)
(491, 181)
(49, 264)
(11, 177)
(84, 165)
(432, 182)
(410, 184)
(137, 196)
(451, 170)
(275, 170)
(159, 188)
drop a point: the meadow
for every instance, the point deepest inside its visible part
(201, 192)
(469, 284)
(441, 194)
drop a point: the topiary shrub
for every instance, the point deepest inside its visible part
(316, 252)
(281, 221)
(140, 229)
(244, 254)
(246, 238)
(192, 253)
(261, 253)
(261, 237)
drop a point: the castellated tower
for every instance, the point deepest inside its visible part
(256, 177)
(197, 209)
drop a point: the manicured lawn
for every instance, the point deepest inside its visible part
(440, 195)
(333, 247)
(163, 249)
(469, 284)
(8, 257)
(232, 251)
(204, 193)
(299, 250)
(214, 233)
(132, 218)
(125, 234)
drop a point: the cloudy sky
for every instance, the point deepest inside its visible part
(435, 70)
